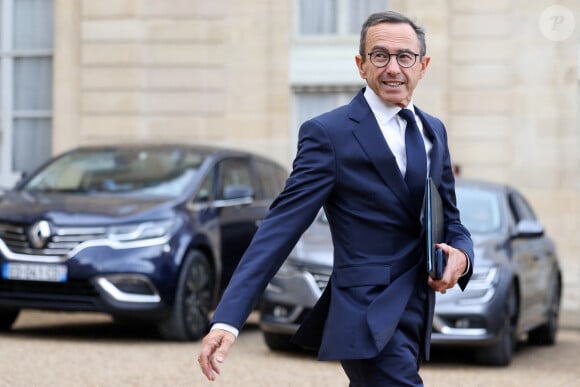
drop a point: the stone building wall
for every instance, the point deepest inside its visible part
(194, 71)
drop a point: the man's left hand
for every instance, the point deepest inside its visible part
(456, 267)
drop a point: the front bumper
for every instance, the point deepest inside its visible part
(135, 280)
(461, 319)
(288, 298)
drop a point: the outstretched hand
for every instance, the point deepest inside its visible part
(214, 350)
(456, 266)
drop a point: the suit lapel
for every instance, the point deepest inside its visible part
(371, 139)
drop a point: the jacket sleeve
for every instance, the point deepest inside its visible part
(305, 192)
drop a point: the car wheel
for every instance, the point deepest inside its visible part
(546, 334)
(500, 354)
(189, 317)
(279, 342)
(7, 317)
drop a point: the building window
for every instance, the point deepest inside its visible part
(335, 17)
(26, 46)
(312, 101)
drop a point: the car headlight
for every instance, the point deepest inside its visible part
(484, 275)
(288, 267)
(481, 287)
(140, 231)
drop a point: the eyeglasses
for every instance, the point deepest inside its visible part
(382, 58)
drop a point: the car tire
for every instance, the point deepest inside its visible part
(279, 342)
(501, 353)
(189, 317)
(546, 334)
(7, 318)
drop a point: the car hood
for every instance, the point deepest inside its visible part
(74, 209)
(489, 249)
(315, 246)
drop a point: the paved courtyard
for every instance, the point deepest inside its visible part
(58, 349)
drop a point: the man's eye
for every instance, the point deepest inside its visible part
(381, 55)
(405, 57)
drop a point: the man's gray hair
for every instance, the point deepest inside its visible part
(390, 17)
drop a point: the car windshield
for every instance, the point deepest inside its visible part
(480, 209)
(155, 172)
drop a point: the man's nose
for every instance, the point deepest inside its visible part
(393, 66)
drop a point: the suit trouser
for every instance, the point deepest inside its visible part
(398, 363)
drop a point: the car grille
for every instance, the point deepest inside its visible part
(72, 295)
(321, 279)
(61, 241)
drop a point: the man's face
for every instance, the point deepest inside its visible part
(393, 84)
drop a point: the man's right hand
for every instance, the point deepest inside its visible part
(214, 350)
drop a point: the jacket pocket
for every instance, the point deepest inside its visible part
(363, 275)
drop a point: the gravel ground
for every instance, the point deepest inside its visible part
(57, 349)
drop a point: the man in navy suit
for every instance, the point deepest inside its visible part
(376, 313)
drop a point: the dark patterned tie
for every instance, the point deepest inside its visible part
(416, 174)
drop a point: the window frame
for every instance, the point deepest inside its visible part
(8, 113)
(342, 13)
(243, 163)
(342, 93)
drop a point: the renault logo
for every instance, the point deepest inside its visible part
(39, 233)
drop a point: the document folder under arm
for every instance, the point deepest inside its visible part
(433, 216)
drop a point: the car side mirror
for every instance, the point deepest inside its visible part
(239, 191)
(235, 195)
(529, 229)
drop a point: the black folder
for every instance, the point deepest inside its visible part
(435, 230)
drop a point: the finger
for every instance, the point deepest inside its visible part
(208, 348)
(206, 367)
(440, 285)
(220, 356)
(456, 263)
(448, 275)
(436, 285)
(224, 348)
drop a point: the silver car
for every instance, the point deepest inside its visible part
(514, 292)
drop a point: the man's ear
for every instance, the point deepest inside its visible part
(359, 64)
(424, 63)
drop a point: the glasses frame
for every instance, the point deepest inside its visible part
(370, 54)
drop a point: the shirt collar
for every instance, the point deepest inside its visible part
(383, 111)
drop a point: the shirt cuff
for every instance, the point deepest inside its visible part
(226, 327)
(467, 267)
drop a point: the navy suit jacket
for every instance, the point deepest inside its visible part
(345, 165)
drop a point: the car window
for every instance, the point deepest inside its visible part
(157, 172)
(272, 178)
(234, 173)
(520, 208)
(204, 194)
(480, 209)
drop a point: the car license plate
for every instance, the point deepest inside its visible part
(34, 272)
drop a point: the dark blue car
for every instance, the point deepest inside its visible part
(140, 232)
